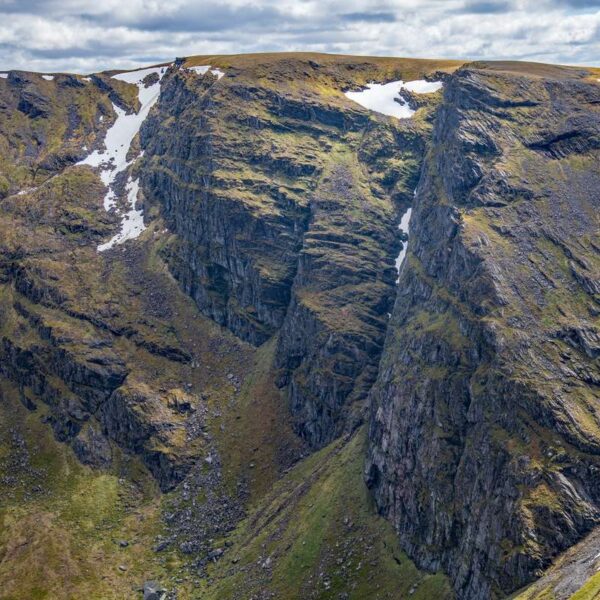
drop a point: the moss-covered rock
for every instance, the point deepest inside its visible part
(485, 424)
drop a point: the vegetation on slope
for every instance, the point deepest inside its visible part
(315, 535)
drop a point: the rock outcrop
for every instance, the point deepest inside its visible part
(284, 206)
(485, 430)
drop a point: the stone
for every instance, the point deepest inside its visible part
(154, 591)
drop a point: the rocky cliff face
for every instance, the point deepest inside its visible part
(244, 327)
(87, 335)
(280, 199)
(65, 343)
(485, 430)
(284, 201)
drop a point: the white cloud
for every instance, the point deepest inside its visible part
(78, 35)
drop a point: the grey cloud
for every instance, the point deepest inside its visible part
(201, 17)
(370, 17)
(33, 7)
(100, 38)
(92, 51)
(578, 4)
(485, 7)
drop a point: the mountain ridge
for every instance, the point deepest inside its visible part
(242, 330)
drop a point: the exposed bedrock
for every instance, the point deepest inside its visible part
(86, 387)
(285, 209)
(485, 422)
(238, 228)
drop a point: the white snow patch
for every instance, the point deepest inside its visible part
(113, 160)
(205, 68)
(120, 135)
(4, 75)
(132, 222)
(384, 98)
(138, 76)
(403, 226)
(200, 70)
(420, 86)
(147, 95)
(48, 77)
(87, 78)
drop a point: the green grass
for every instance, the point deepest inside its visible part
(317, 536)
(61, 542)
(590, 590)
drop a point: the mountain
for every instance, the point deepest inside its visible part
(272, 330)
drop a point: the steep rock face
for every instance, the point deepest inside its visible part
(47, 125)
(281, 199)
(332, 336)
(238, 226)
(485, 425)
(284, 199)
(82, 335)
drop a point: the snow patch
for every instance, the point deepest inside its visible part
(113, 160)
(420, 86)
(404, 227)
(384, 98)
(199, 70)
(48, 77)
(205, 68)
(88, 79)
(132, 222)
(138, 76)
(4, 75)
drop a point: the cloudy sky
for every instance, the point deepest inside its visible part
(86, 36)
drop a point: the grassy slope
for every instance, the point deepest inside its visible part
(315, 535)
(61, 521)
(317, 528)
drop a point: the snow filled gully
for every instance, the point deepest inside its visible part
(119, 137)
(113, 159)
(385, 99)
(403, 226)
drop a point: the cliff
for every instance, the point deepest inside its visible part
(484, 436)
(199, 302)
(283, 198)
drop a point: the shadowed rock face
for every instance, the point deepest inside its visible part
(284, 205)
(485, 430)
(238, 228)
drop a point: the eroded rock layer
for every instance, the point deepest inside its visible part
(284, 202)
(485, 428)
